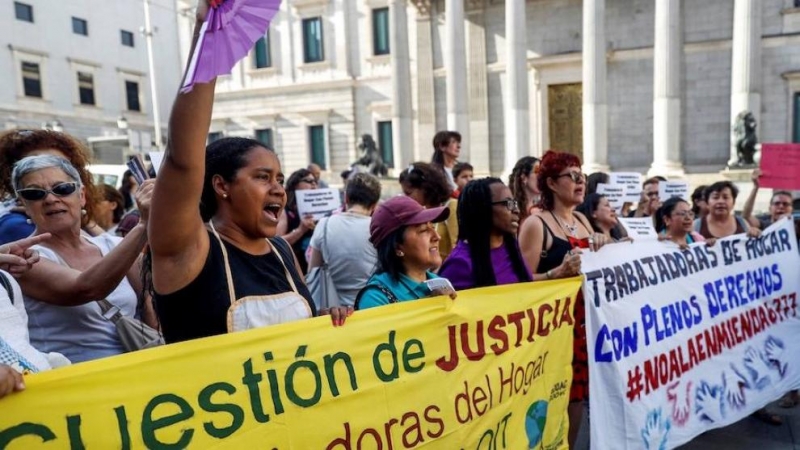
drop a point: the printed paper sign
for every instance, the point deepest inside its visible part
(669, 189)
(489, 370)
(155, 159)
(684, 341)
(632, 182)
(317, 202)
(614, 193)
(780, 166)
(639, 228)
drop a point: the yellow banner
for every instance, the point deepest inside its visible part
(490, 370)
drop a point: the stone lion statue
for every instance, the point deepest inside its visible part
(744, 133)
(371, 157)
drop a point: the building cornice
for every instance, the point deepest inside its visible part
(285, 89)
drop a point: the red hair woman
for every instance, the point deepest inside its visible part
(551, 241)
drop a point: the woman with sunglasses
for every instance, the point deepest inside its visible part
(75, 270)
(222, 267)
(17, 144)
(487, 253)
(551, 243)
(296, 230)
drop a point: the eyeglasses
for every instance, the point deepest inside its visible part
(59, 190)
(576, 177)
(509, 203)
(784, 204)
(309, 180)
(684, 214)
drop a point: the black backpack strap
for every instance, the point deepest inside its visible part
(379, 286)
(7, 286)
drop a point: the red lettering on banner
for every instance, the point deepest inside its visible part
(664, 368)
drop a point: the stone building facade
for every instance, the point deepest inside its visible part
(81, 66)
(627, 84)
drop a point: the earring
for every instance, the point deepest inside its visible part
(83, 211)
(401, 254)
(224, 195)
(28, 221)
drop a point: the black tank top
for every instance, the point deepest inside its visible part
(553, 257)
(200, 309)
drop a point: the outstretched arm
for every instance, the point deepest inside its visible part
(178, 239)
(747, 212)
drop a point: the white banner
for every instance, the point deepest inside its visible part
(683, 341)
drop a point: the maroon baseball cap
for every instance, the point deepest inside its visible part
(401, 211)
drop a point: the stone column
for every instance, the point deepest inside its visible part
(667, 94)
(455, 63)
(478, 87)
(746, 65)
(595, 105)
(516, 108)
(402, 132)
(426, 99)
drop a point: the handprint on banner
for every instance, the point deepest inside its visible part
(709, 404)
(773, 351)
(734, 388)
(759, 367)
(681, 402)
(655, 431)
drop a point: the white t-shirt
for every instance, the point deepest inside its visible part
(80, 332)
(15, 346)
(346, 248)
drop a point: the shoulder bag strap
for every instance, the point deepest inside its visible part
(379, 286)
(7, 286)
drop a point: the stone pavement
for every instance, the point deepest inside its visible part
(747, 434)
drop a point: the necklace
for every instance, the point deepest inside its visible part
(571, 229)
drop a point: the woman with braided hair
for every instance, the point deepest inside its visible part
(487, 253)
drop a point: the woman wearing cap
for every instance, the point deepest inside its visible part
(404, 234)
(487, 253)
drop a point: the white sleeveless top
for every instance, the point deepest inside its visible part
(80, 333)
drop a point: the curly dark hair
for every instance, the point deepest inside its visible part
(16, 144)
(516, 183)
(432, 182)
(553, 162)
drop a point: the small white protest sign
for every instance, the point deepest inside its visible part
(639, 228)
(669, 189)
(632, 182)
(614, 193)
(317, 202)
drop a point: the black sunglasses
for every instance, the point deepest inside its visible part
(576, 177)
(59, 190)
(509, 203)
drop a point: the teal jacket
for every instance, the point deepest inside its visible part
(382, 289)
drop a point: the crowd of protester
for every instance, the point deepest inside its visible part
(216, 243)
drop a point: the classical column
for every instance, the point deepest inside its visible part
(402, 132)
(667, 94)
(595, 105)
(746, 64)
(455, 63)
(478, 88)
(426, 99)
(516, 120)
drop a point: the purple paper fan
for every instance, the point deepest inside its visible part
(229, 32)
